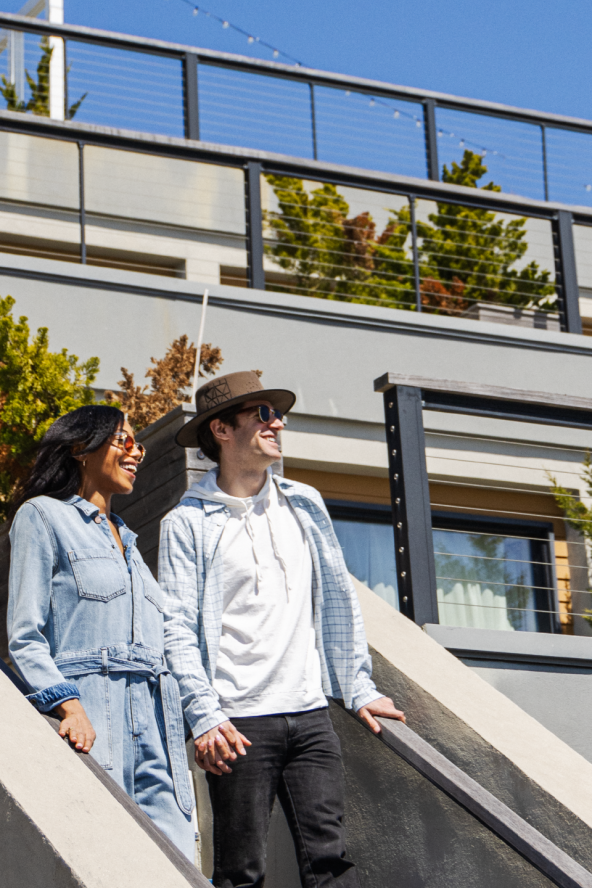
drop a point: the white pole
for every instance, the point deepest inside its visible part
(202, 322)
(57, 69)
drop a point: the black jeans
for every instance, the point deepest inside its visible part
(296, 757)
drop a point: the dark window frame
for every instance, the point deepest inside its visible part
(540, 533)
(541, 536)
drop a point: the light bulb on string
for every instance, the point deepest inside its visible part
(251, 39)
(372, 103)
(275, 53)
(196, 10)
(225, 24)
(396, 115)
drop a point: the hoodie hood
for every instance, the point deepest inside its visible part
(207, 489)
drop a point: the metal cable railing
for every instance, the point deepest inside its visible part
(388, 250)
(142, 204)
(139, 83)
(507, 556)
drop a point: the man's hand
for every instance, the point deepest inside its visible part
(384, 707)
(76, 725)
(218, 746)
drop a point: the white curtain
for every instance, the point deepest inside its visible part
(369, 551)
(484, 581)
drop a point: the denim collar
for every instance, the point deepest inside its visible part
(90, 510)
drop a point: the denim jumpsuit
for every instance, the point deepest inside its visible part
(85, 621)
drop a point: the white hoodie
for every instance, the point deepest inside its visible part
(267, 662)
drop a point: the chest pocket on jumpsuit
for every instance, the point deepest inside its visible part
(98, 573)
(152, 590)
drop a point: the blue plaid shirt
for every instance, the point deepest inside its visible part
(190, 575)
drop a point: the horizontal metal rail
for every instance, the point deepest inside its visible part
(291, 72)
(281, 164)
(533, 846)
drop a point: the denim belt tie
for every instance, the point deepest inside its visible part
(105, 662)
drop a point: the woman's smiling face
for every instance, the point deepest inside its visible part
(111, 469)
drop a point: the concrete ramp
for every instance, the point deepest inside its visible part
(64, 823)
(404, 827)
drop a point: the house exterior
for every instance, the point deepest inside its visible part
(334, 253)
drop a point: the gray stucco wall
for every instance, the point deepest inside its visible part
(328, 352)
(549, 676)
(402, 831)
(560, 697)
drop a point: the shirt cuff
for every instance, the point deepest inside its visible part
(365, 697)
(50, 697)
(211, 720)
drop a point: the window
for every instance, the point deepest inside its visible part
(365, 533)
(494, 574)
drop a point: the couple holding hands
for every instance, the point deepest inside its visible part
(253, 624)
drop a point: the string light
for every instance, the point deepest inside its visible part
(250, 38)
(418, 123)
(373, 101)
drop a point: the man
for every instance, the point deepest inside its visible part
(263, 625)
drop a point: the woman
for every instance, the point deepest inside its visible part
(85, 616)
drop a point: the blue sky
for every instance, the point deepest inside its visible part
(533, 53)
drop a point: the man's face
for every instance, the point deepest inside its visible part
(252, 441)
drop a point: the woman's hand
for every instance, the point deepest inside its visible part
(75, 725)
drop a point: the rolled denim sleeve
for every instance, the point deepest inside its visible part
(178, 578)
(32, 562)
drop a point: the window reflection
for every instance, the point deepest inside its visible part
(484, 581)
(369, 552)
(493, 576)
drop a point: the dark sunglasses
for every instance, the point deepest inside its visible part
(129, 444)
(268, 414)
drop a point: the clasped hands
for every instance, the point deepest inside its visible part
(220, 746)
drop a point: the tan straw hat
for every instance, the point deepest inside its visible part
(226, 391)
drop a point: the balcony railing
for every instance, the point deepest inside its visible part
(483, 514)
(166, 88)
(118, 179)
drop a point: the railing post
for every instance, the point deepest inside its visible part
(545, 167)
(313, 121)
(567, 268)
(410, 498)
(81, 210)
(431, 139)
(415, 251)
(255, 272)
(191, 96)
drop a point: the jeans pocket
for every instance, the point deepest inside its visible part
(96, 699)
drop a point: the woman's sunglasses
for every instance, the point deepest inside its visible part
(268, 414)
(129, 444)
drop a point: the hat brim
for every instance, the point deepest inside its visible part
(281, 399)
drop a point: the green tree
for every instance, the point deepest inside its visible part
(474, 250)
(465, 254)
(577, 514)
(36, 387)
(38, 102)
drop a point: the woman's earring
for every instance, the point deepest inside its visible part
(84, 463)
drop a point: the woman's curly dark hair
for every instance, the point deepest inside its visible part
(55, 472)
